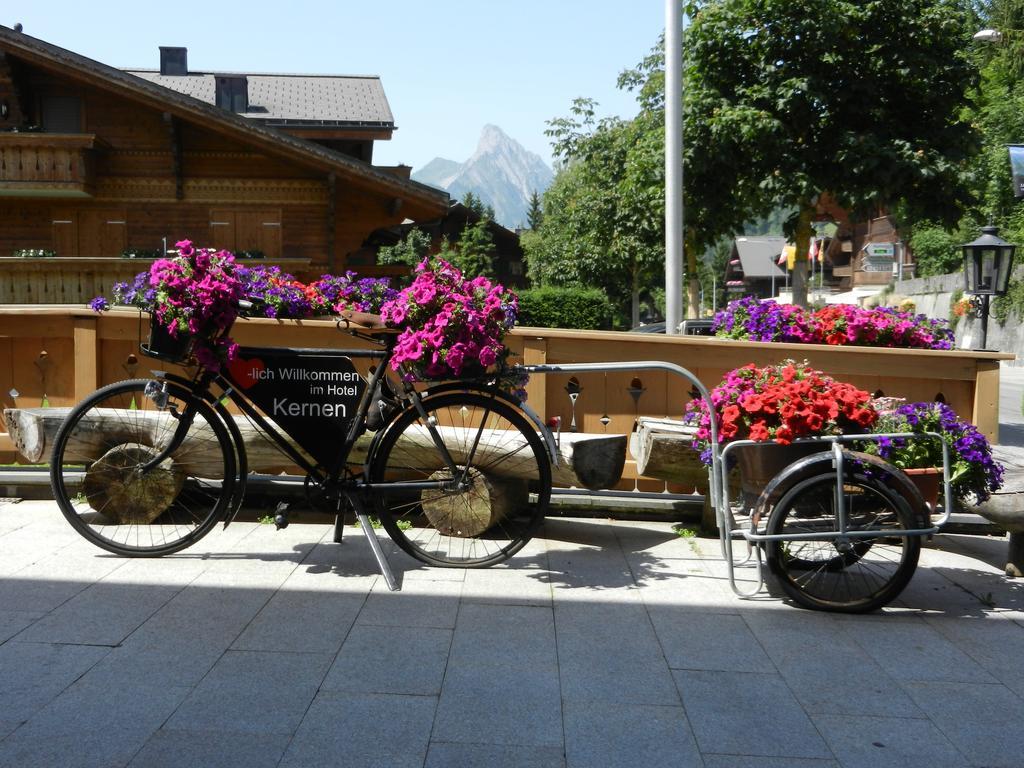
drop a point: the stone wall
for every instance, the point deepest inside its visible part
(933, 296)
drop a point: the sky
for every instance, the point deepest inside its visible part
(448, 67)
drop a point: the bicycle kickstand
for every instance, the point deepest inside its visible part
(371, 537)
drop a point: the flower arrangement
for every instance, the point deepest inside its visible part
(367, 294)
(197, 293)
(879, 327)
(974, 473)
(279, 294)
(450, 326)
(34, 253)
(781, 403)
(754, 320)
(284, 297)
(837, 324)
(966, 306)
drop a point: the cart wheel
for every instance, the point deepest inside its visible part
(841, 573)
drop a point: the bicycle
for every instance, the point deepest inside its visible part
(459, 475)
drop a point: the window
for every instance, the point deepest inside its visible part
(62, 114)
(233, 92)
(89, 232)
(246, 230)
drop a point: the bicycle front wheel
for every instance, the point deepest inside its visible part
(834, 572)
(107, 486)
(481, 510)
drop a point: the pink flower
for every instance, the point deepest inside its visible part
(454, 322)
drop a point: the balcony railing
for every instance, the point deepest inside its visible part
(77, 279)
(47, 164)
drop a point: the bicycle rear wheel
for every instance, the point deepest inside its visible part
(497, 496)
(107, 492)
(841, 573)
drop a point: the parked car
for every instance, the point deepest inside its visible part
(687, 327)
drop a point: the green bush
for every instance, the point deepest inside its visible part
(936, 251)
(568, 307)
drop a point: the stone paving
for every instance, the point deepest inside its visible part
(601, 644)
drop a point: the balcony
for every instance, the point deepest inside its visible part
(47, 164)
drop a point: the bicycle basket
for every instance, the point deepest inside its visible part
(163, 346)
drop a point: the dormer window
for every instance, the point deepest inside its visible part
(233, 92)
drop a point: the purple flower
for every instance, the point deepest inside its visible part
(975, 473)
(99, 304)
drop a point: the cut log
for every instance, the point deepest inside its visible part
(465, 515)
(585, 460)
(663, 449)
(1006, 506)
(116, 490)
(32, 430)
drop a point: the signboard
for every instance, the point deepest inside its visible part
(876, 250)
(313, 397)
(877, 265)
(1017, 169)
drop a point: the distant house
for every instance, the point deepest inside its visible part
(753, 268)
(508, 254)
(854, 260)
(100, 162)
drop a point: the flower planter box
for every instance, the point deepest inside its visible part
(85, 350)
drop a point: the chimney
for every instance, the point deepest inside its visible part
(173, 60)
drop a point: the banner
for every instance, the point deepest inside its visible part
(311, 396)
(1017, 169)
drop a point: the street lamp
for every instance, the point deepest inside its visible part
(987, 264)
(988, 36)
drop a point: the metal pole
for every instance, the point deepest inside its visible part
(673, 165)
(984, 320)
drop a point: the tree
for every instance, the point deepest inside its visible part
(999, 114)
(410, 250)
(478, 206)
(786, 101)
(474, 253)
(860, 100)
(535, 214)
(602, 220)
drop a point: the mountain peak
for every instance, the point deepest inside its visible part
(501, 172)
(490, 137)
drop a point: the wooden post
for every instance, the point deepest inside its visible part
(535, 352)
(986, 399)
(87, 353)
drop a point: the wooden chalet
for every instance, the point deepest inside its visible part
(753, 268)
(509, 264)
(98, 163)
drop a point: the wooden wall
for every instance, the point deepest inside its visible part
(158, 177)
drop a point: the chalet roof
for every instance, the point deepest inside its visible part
(759, 255)
(83, 69)
(349, 100)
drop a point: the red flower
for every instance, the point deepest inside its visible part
(781, 403)
(759, 431)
